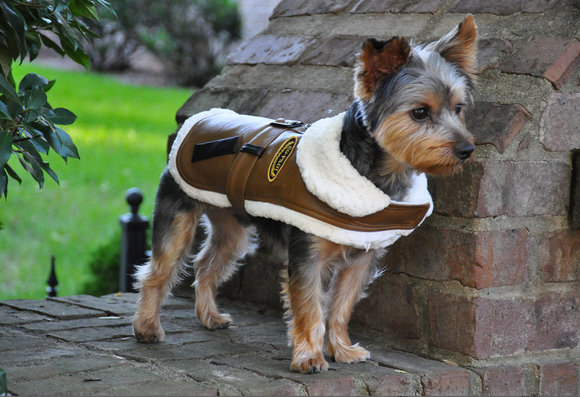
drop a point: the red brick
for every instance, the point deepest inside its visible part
(476, 259)
(447, 384)
(390, 385)
(575, 213)
(558, 379)
(556, 321)
(501, 381)
(559, 127)
(524, 188)
(502, 7)
(306, 106)
(490, 188)
(486, 327)
(270, 49)
(397, 6)
(479, 327)
(547, 57)
(501, 259)
(335, 51)
(496, 124)
(491, 53)
(437, 378)
(451, 322)
(292, 8)
(559, 255)
(525, 143)
(457, 195)
(391, 307)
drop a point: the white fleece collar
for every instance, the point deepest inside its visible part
(331, 177)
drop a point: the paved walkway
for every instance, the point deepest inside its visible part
(83, 345)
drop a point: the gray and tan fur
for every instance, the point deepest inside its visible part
(408, 116)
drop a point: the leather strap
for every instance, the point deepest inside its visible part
(242, 168)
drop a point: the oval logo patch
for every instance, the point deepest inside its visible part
(280, 158)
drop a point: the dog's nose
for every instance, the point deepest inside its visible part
(464, 150)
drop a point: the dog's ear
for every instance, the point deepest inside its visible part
(378, 60)
(460, 46)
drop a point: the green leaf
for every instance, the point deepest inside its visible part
(77, 54)
(37, 98)
(3, 192)
(50, 84)
(40, 144)
(61, 142)
(13, 174)
(32, 79)
(61, 116)
(29, 147)
(7, 89)
(34, 158)
(84, 9)
(33, 44)
(16, 22)
(14, 109)
(37, 136)
(4, 113)
(5, 60)
(71, 149)
(35, 170)
(5, 147)
(46, 167)
(47, 41)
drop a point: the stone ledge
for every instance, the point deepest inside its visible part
(250, 358)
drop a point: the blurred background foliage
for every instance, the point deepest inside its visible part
(190, 37)
(120, 129)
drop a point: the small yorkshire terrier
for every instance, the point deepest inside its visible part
(407, 118)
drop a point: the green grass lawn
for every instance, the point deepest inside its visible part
(121, 133)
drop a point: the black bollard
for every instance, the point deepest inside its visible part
(52, 281)
(133, 240)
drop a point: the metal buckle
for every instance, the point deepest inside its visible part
(283, 123)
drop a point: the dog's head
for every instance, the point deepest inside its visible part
(414, 98)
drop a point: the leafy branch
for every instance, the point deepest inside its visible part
(29, 125)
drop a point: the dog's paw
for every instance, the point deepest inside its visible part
(310, 365)
(148, 333)
(216, 321)
(349, 354)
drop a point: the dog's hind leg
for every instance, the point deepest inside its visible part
(347, 288)
(175, 220)
(226, 243)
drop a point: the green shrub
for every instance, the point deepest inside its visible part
(104, 266)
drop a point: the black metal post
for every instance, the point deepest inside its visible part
(133, 240)
(52, 281)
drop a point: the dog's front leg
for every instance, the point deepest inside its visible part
(346, 289)
(306, 270)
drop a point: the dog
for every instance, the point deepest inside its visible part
(407, 120)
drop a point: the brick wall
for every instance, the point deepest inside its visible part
(492, 278)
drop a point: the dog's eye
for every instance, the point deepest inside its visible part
(458, 108)
(420, 113)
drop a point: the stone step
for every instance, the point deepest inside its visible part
(83, 345)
